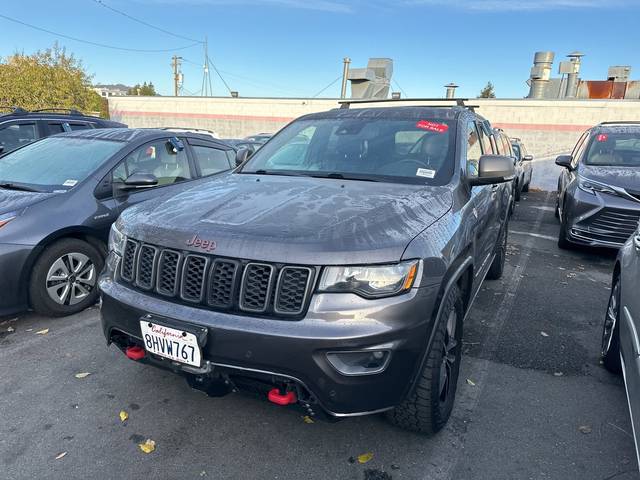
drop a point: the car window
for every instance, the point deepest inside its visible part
(16, 135)
(474, 150)
(156, 158)
(579, 152)
(516, 151)
(56, 128)
(79, 126)
(506, 145)
(368, 147)
(210, 160)
(56, 163)
(485, 141)
(614, 149)
(499, 144)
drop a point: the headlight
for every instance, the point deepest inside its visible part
(6, 218)
(370, 281)
(116, 240)
(591, 186)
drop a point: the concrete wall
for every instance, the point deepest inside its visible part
(548, 127)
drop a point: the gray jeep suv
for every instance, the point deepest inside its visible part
(330, 272)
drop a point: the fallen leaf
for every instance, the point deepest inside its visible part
(544, 334)
(586, 429)
(60, 455)
(42, 332)
(557, 374)
(82, 375)
(471, 382)
(123, 416)
(365, 457)
(147, 446)
(307, 419)
(29, 330)
(203, 473)
(11, 329)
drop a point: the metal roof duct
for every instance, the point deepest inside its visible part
(372, 82)
(540, 74)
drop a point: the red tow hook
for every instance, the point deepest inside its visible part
(135, 353)
(279, 399)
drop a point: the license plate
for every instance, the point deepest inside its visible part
(171, 343)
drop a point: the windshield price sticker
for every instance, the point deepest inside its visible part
(70, 183)
(432, 126)
(425, 172)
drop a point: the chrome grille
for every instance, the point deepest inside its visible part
(611, 225)
(218, 283)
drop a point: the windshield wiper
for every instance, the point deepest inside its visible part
(342, 176)
(276, 172)
(18, 186)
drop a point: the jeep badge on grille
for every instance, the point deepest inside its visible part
(208, 245)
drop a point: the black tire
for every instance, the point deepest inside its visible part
(497, 266)
(525, 188)
(563, 243)
(557, 210)
(428, 406)
(516, 192)
(82, 284)
(610, 351)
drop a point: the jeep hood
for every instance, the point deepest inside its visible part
(304, 220)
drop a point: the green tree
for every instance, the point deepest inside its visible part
(146, 89)
(487, 91)
(51, 78)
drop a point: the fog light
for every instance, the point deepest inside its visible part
(364, 362)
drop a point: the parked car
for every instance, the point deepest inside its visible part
(504, 147)
(251, 146)
(525, 160)
(334, 278)
(598, 200)
(19, 127)
(620, 344)
(202, 131)
(59, 196)
(259, 138)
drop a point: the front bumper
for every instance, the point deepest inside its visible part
(600, 220)
(13, 296)
(297, 349)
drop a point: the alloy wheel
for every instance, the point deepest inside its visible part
(449, 357)
(71, 278)
(611, 318)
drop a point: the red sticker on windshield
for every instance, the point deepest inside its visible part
(603, 137)
(432, 126)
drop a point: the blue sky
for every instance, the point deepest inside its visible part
(295, 47)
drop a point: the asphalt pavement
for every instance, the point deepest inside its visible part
(533, 401)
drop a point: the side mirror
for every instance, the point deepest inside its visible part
(139, 180)
(564, 161)
(527, 158)
(494, 169)
(242, 155)
(175, 145)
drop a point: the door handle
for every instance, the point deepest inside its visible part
(495, 186)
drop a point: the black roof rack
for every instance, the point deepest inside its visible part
(13, 110)
(458, 102)
(70, 111)
(621, 122)
(189, 129)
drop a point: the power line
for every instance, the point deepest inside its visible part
(142, 22)
(219, 75)
(331, 84)
(401, 89)
(95, 44)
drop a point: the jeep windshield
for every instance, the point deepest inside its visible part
(368, 148)
(54, 163)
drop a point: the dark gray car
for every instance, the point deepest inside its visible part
(599, 187)
(620, 341)
(332, 276)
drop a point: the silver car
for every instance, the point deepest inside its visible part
(620, 342)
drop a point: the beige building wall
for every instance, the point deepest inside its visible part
(547, 127)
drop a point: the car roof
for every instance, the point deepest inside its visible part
(399, 113)
(137, 134)
(69, 115)
(621, 127)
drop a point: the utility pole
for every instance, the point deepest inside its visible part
(175, 63)
(345, 77)
(207, 90)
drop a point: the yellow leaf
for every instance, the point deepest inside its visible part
(123, 415)
(42, 332)
(307, 419)
(82, 375)
(365, 457)
(60, 455)
(147, 446)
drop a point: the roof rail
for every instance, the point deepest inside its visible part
(70, 111)
(459, 102)
(188, 129)
(621, 122)
(13, 110)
